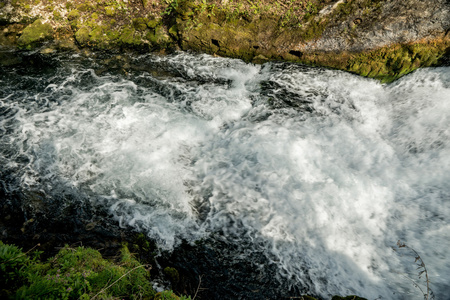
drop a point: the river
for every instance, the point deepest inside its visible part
(316, 172)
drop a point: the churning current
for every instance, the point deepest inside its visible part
(320, 170)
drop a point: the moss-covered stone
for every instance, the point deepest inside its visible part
(73, 14)
(390, 63)
(99, 39)
(173, 31)
(86, 6)
(159, 38)
(172, 274)
(127, 36)
(82, 36)
(57, 15)
(34, 34)
(110, 11)
(94, 17)
(140, 24)
(167, 295)
(154, 23)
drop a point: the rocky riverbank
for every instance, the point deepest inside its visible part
(383, 39)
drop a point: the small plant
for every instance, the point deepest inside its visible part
(422, 269)
(311, 8)
(172, 6)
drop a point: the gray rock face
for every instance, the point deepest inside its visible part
(389, 22)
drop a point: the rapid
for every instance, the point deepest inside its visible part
(317, 172)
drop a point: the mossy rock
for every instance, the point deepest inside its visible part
(127, 37)
(73, 16)
(140, 24)
(86, 6)
(154, 23)
(173, 31)
(94, 17)
(159, 38)
(35, 34)
(166, 295)
(110, 11)
(172, 274)
(82, 36)
(99, 39)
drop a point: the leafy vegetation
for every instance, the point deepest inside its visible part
(75, 273)
(172, 6)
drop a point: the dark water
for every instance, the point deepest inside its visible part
(268, 181)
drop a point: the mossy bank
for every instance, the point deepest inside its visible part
(383, 39)
(82, 273)
(75, 273)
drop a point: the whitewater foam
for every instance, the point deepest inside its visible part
(323, 170)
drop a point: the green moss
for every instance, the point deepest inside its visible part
(313, 30)
(96, 36)
(110, 11)
(365, 70)
(348, 8)
(74, 273)
(390, 63)
(153, 23)
(94, 17)
(82, 36)
(33, 35)
(169, 295)
(57, 15)
(142, 245)
(159, 38)
(385, 64)
(112, 35)
(103, 38)
(173, 31)
(73, 15)
(85, 7)
(129, 38)
(172, 274)
(140, 24)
